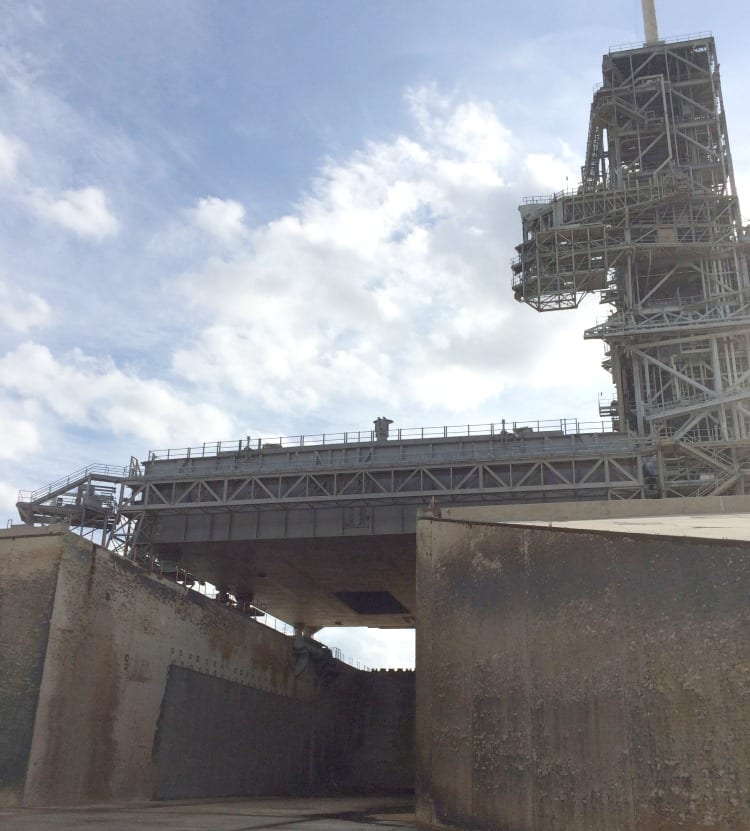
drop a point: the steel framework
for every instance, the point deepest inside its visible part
(655, 228)
(295, 488)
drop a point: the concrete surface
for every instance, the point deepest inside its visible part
(227, 815)
(118, 685)
(305, 580)
(696, 526)
(581, 680)
(616, 509)
(27, 590)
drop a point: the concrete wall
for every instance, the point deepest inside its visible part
(602, 509)
(118, 685)
(581, 680)
(27, 590)
(219, 738)
(381, 737)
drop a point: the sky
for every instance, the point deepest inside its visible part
(277, 217)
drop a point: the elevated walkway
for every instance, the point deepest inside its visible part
(88, 498)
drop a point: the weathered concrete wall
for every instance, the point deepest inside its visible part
(220, 738)
(384, 759)
(27, 589)
(356, 736)
(375, 749)
(581, 680)
(603, 509)
(149, 689)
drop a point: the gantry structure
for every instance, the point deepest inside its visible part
(320, 530)
(655, 229)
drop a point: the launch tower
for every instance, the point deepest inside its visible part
(655, 229)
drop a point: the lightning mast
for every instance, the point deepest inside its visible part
(655, 229)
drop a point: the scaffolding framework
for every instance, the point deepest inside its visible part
(655, 228)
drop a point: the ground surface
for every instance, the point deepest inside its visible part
(340, 814)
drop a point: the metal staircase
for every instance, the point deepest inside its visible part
(89, 498)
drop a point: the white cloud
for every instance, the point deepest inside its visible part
(10, 153)
(96, 394)
(18, 428)
(376, 648)
(223, 219)
(389, 282)
(742, 182)
(8, 496)
(454, 387)
(385, 290)
(21, 310)
(83, 211)
(471, 128)
(554, 172)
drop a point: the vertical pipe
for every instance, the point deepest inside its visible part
(639, 408)
(718, 386)
(650, 28)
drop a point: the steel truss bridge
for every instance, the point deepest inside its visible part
(300, 483)
(240, 513)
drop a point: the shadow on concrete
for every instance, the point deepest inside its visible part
(329, 814)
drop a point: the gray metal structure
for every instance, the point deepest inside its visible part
(655, 228)
(320, 530)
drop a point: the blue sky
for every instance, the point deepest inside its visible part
(277, 217)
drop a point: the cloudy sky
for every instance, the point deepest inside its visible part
(275, 217)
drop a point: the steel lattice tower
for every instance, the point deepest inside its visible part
(655, 228)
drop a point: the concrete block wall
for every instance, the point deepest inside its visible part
(118, 685)
(580, 680)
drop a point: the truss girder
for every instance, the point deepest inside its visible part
(423, 481)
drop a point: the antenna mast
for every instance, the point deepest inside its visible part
(650, 27)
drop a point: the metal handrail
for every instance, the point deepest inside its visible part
(114, 471)
(566, 426)
(626, 47)
(515, 449)
(657, 318)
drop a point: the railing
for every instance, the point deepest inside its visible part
(562, 426)
(703, 436)
(639, 189)
(94, 470)
(679, 405)
(625, 47)
(549, 198)
(674, 312)
(172, 571)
